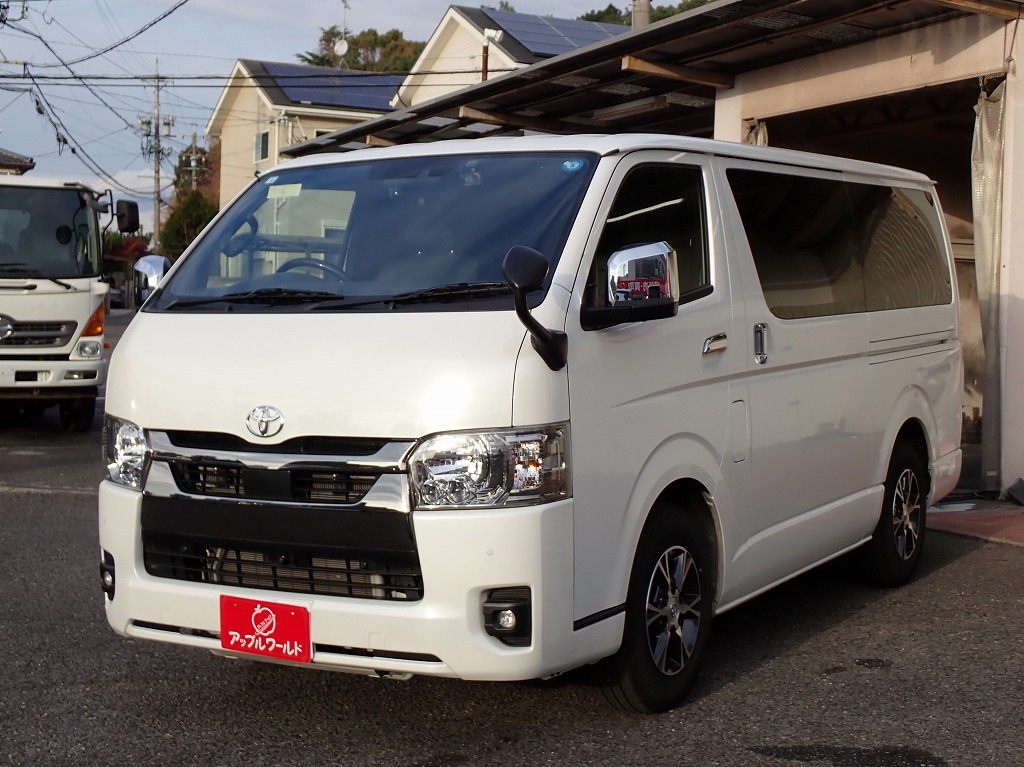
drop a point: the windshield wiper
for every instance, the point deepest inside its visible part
(441, 293)
(14, 267)
(452, 292)
(269, 296)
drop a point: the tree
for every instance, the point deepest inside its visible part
(127, 247)
(369, 51)
(187, 221)
(198, 168)
(503, 5)
(612, 15)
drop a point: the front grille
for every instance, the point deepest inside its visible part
(306, 485)
(295, 569)
(40, 334)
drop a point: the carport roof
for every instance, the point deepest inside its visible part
(661, 78)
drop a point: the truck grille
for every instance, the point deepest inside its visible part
(303, 485)
(293, 569)
(40, 334)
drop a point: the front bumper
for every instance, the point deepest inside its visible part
(51, 379)
(463, 555)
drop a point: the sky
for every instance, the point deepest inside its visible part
(54, 86)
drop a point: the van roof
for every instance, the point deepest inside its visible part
(603, 144)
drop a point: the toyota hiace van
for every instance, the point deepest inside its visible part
(496, 409)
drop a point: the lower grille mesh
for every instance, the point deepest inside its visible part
(297, 570)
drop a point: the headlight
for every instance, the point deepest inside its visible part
(124, 451)
(491, 469)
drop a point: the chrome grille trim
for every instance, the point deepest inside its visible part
(40, 334)
(371, 482)
(390, 458)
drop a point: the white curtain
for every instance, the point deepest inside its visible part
(756, 133)
(987, 181)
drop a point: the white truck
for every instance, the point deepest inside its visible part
(51, 296)
(399, 411)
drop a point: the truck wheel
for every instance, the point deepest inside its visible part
(77, 414)
(668, 615)
(894, 551)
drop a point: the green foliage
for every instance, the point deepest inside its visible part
(187, 221)
(612, 15)
(503, 5)
(369, 51)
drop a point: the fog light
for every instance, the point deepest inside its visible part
(107, 575)
(90, 348)
(507, 615)
(80, 375)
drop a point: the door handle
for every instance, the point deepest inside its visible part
(716, 343)
(760, 348)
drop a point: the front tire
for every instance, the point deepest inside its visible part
(668, 615)
(894, 551)
(77, 414)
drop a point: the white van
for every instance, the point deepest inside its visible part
(500, 408)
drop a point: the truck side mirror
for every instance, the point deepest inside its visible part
(127, 214)
(525, 269)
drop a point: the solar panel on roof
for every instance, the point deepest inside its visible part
(329, 87)
(548, 36)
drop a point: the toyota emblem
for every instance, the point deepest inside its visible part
(264, 421)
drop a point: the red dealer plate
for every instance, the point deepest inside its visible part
(270, 629)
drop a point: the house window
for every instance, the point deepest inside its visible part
(261, 149)
(321, 132)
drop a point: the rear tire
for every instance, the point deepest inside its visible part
(668, 615)
(77, 414)
(894, 551)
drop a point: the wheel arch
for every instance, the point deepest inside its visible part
(911, 421)
(689, 496)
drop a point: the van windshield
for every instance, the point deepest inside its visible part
(381, 234)
(47, 233)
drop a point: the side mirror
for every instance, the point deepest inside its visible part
(643, 284)
(127, 214)
(525, 269)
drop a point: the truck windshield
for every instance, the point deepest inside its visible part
(47, 233)
(380, 234)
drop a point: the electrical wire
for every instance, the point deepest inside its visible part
(129, 38)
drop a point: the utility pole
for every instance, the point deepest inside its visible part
(152, 129)
(195, 158)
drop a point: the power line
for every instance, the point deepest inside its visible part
(129, 38)
(64, 136)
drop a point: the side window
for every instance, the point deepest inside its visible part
(904, 264)
(824, 246)
(655, 203)
(801, 234)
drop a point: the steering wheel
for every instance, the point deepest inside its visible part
(315, 263)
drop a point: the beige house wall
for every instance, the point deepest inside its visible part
(247, 114)
(453, 59)
(1012, 275)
